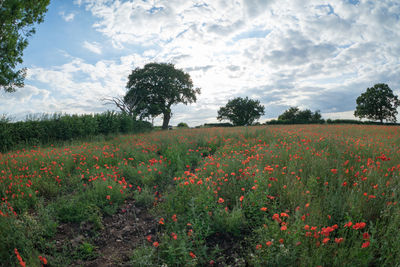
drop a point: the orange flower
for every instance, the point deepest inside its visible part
(339, 240)
(269, 243)
(348, 224)
(241, 198)
(161, 221)
(192, 255)
(325, 240)
(327, 230)
(221, 200)
(360, 225)
(284, 228)
(365, 244)
(156, 244)
(43, 260)
(263, 209)
(365, 236)
(174, 218)
(174, 236)
(275, 216)
(21, 262)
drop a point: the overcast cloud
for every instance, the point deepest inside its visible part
(312, 54)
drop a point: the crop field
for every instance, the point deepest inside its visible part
(292, 195)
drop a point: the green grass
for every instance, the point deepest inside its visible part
(262, 196)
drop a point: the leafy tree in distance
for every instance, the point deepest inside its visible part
(377, 103)
(17, 18)
(295, 115)
(183, 125)
(153, 89)
(241, 111)
(289, 115)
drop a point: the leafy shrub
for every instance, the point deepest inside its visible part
(58, 127)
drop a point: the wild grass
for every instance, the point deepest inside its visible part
(287, 195)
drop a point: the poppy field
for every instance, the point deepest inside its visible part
(287, 195)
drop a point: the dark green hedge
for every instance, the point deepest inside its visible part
(59, 127)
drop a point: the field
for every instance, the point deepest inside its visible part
(292, 195)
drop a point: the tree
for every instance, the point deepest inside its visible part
(153, 89)
(289, 115)
(241, 111)
(377, 103)
(183, 125)
(17, 18)
(121, 104)
(295, 115)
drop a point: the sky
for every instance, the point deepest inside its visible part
(315, 54)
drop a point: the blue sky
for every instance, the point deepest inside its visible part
(313, 54)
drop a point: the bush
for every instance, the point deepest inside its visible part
(57, 127)
(182, 125)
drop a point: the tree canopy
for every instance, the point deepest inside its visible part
(153, 89)
(377, 103)
(295, 115)
(183, 125)
(17, 19)
(241, 111)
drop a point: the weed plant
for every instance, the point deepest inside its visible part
(278, 195)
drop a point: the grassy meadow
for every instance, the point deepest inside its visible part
(281, 195)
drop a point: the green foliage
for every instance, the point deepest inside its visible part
(182, 125)
(143, 256)
(144, 198)
(295, 115)
(241, 111)
(86, 251)
(54, 128)
(17, 18)
(28, 234)
(377, 103)
(153, 89)
(226, 124)
(219, 192)
(229, 222)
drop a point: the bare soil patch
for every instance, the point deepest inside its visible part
(113, 245)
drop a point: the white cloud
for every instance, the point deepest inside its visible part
(74, 87)
(313, 54)
(93, 47)
(67, 17)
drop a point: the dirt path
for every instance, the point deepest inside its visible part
(122, 232)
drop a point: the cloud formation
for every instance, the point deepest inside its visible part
(312, 54)
(93, 47)
(67, 17)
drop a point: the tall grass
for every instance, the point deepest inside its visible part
(291, 195)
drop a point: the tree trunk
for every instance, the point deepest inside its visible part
(166, 118)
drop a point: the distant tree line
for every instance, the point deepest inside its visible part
(377, 103)
(295, 115)
(57, 127)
